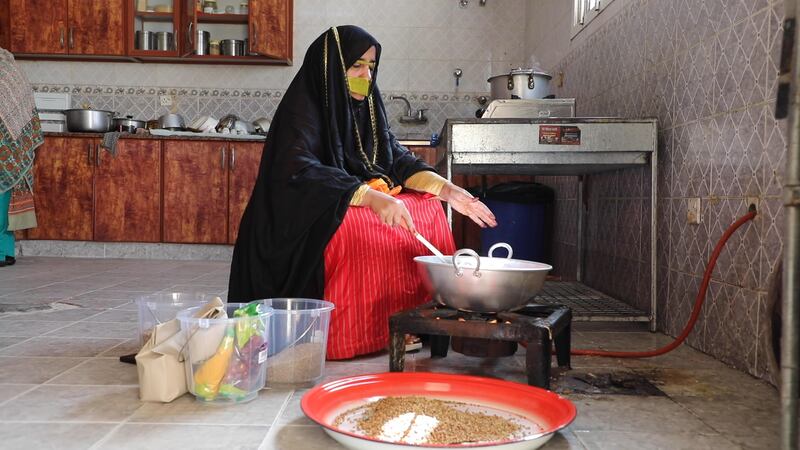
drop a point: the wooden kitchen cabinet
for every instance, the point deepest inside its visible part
(67, 27)
(195, 192)
(127, 200)
(38, 26)
(96, 27)
(63, 174)
(267, 26)
(243, 171)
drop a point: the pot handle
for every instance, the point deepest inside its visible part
(501, 245)
(459, 267)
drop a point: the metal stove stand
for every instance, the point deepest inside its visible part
(574, 146)
(539, 326)
(587, 304)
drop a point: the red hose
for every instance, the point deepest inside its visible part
(698, 302)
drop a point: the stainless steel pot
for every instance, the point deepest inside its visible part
(164, 41)
(171, 122)
(232, 47)
(469, 282)
(127, 124)
(145, 40)
(88, 120)
(202, 39)
(520, 83)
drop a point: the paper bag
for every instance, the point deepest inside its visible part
(162, 376)
(205, 338)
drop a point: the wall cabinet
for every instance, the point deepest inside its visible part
(67, 27)
(138, 30)
(266, 27)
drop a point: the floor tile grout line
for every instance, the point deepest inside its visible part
(14, 397)
(273, 427)
(113, 430)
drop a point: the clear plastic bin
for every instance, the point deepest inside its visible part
(298, 341)
(162, 307)
(226, 359)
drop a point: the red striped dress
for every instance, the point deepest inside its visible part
(370, 273)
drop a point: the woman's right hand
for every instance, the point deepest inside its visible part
(390, 210)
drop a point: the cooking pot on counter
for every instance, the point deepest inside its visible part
(470, 282)
(172, 122)
(520, 84)
(127, 124)
(88, 120)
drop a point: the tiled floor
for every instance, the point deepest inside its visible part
(61, 385)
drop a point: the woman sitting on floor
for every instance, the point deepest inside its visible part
(337, 200)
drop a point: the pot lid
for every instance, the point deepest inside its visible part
(520, 71)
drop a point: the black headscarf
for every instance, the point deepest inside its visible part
(311, 166)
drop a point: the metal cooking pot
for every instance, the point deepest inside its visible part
(88, 120)
(171, 122)
(521, 84)
(469, 282)
(127, 123)
(232, 47)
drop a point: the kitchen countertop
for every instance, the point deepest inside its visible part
(205, 137)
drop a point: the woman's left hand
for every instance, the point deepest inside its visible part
(463, 202)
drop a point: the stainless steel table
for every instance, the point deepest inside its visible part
(566, 146)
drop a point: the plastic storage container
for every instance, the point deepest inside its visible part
(164, 306)
(523, 212)
(226, 358)
(298, 341)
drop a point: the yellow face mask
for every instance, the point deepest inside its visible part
(359, 85)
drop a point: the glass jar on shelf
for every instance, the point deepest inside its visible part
(213, 47)
(243, 8)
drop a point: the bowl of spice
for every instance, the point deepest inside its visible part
(436, 410)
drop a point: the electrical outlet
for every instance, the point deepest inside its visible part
(751, 201)
(693, 211)
(165, 100)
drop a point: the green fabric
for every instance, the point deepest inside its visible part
(16, 155)
(6, 237)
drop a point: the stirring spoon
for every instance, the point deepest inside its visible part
(431, 247)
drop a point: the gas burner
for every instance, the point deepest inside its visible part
(488, 335)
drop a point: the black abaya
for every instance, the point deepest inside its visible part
(310, 168)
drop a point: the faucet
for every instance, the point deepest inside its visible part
(410, 117)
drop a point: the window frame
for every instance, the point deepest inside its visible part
(584, 11)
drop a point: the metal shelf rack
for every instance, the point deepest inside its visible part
(571, 146)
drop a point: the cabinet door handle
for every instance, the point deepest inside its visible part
(233, 157)
(89, 153)
(61, 37)
(97, 154)
(222, 161)
(251, 42)
(71, 38)
(189, 34)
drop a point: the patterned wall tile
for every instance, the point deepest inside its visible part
(773, 227)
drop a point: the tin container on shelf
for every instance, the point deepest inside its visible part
(213, 48)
